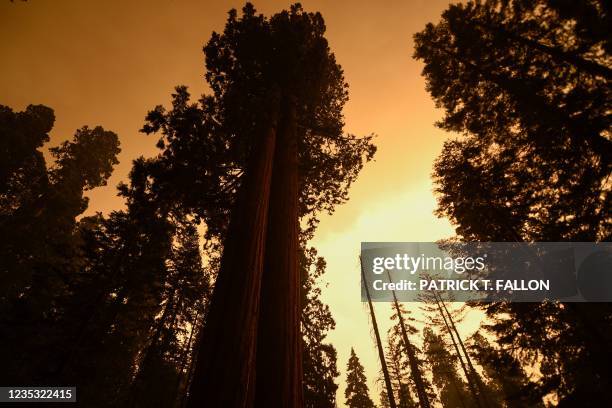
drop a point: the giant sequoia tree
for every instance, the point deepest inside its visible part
(527, 83)
(265, 150)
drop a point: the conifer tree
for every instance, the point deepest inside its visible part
(267, 142)
(526, 83)
(41, 256)
(357, 392)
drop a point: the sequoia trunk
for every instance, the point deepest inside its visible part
(279, 362)
(225, 368)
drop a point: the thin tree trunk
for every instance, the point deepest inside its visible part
(185, 356)
(473, 372)
(412, 359)
(463, 367)
(224, 375)
(189, 375)
(279, 351)
(381, 352)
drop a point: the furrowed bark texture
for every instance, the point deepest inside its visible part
(225, 369)
(279, 360)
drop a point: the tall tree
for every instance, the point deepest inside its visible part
(160, 364)
(40, 249)
(273, 77)
(415, 371)
(118, 294)
(445, 322)
(398, 371)
(356, 393)
(379, 345)
(471, 373)
(527, 83)
(533, 120)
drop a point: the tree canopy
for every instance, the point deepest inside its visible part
(251, 66)
(526, 84)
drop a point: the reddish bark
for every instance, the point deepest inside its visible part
(225, 369)
(279, 360)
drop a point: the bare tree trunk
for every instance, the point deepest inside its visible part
(468, 377)
(279, 351)
(412, 359)
(381, 352)
(224, 375)
(189, 375)
(473, 372)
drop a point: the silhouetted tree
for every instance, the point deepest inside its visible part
(319, 365)
(379, 345)
(526, 82)
(398, 372)
(277, 91)
(40, 249)
(100, 301)
(403, 329)
(118, 294)
(161, 362)
(444, 321)
(356, 393)
(397, 353)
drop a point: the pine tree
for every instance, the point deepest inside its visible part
(160, 364)
(398, 371)
(356, 393)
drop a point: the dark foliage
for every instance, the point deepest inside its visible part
(527, 84)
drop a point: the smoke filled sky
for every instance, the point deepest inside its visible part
(107, 62)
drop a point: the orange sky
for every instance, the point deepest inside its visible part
(107, 62)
